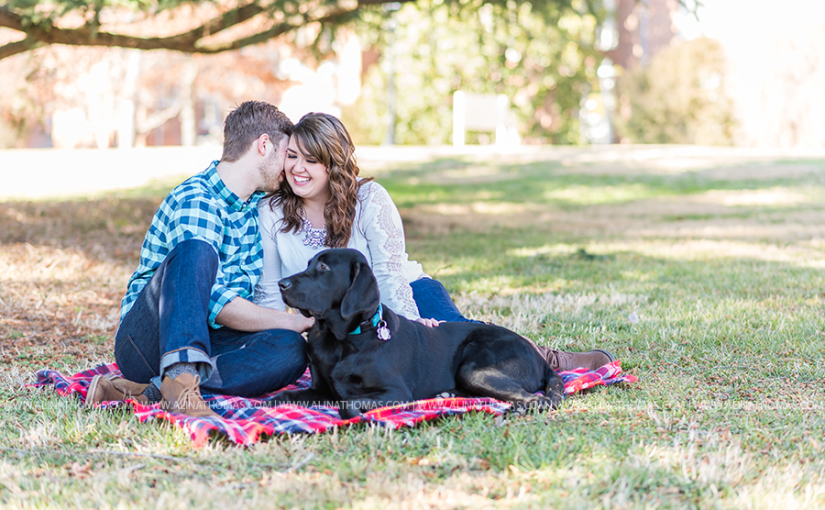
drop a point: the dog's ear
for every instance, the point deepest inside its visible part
(362, 294)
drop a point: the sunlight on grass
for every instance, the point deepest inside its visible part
(799, 255)
(492, 284)
(548, 249)
(796, 255)
(775, 196)
(487, 208)
(587, 195)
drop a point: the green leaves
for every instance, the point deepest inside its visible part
(679, 98)
(535, 54)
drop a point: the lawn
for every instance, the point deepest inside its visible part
(706, 281)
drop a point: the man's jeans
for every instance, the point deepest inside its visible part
(168, 325)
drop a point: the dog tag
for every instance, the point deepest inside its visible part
(383, 331)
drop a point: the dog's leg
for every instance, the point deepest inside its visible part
(489, 381)
(554, 389)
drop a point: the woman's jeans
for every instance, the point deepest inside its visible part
(168, 325)
(434, 302)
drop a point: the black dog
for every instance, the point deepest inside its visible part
(363, 356)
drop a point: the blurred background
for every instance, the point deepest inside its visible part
(746, 73)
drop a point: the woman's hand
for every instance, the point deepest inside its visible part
(430, 323)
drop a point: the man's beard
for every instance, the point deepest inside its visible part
(270, 170)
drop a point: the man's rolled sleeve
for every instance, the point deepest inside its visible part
(221, 295)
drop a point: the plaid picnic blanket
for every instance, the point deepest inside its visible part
(243, 420)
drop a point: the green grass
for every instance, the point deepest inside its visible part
(551, 182)
(728, 348)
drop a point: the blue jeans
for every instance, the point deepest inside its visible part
(434, 302)
(168, 325)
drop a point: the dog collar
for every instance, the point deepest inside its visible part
(378, 323)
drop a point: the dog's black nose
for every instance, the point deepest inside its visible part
(285, 284)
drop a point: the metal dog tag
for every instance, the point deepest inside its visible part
(383, 331)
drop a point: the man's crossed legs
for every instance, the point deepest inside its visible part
(166, 350)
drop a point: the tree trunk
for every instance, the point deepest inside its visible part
(126, 108)
(188, 120)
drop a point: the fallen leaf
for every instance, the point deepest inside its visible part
(80, 471)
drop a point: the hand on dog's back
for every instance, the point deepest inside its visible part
(432, 323)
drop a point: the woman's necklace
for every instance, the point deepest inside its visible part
(313, 237)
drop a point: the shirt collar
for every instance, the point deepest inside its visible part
(233, 200)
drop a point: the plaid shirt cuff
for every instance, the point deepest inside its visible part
(220, 297)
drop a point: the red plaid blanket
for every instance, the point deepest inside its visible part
(243, 420)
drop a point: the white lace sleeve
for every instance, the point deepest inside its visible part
(381, 224)
(267, 293)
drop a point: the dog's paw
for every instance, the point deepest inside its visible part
(539, 404)
(546, 403)
(517, 409)
(283, 397)
(347, 412)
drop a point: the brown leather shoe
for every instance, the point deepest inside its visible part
(591, 360)
(103, 389)
(183, 395)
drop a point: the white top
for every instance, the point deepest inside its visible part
(377, 232)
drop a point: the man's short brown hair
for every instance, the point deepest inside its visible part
(249, 121)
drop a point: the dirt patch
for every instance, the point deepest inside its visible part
(54, 297)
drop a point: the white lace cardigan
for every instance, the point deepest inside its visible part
(377, 232)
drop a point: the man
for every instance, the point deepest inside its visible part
(187, 320)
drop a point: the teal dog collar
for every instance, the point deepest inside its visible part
(378, 323)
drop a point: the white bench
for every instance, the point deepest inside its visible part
(483, 112)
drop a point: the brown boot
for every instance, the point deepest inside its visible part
(591, 360)
(117, 388)
(182, 395)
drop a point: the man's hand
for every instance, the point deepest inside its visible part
(302, 323)
(430, 323)
(245, 315)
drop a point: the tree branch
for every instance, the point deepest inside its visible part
(226, 20)
(42, 33)
(11, 20)
(85, 36)
(280, 29)
(7, 50)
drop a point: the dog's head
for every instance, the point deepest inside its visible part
(337, 288)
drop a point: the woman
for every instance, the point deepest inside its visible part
(322, 203)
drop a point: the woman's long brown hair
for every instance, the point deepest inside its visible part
(325, 139)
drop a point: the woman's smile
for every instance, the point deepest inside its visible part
(308, 177)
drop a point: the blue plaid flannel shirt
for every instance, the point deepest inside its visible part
(202, 207)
